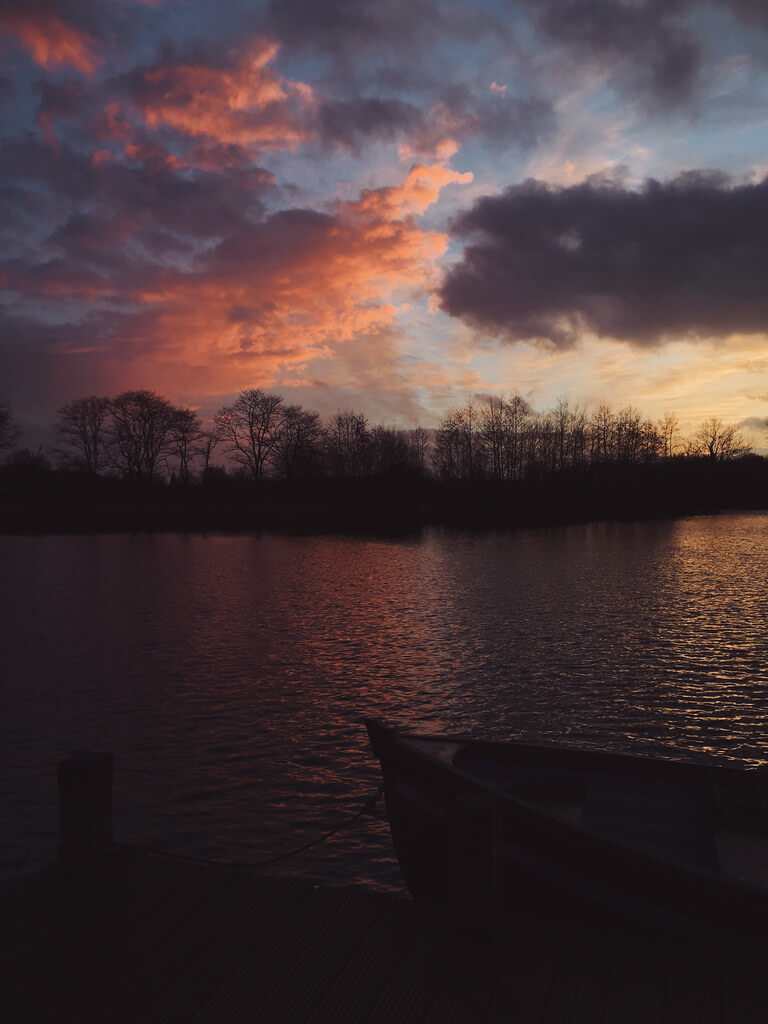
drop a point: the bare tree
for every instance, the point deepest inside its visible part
(185, 436)
(207, 442)
(141, 432)
(461, 452)
(721, 440)
(348, 444)
(562, 424)
(83, 430)
(628, 435)
(494, 432)
(249, 429)
(399, 451)
(602, 425)
(9, 429)
(298, 443)
(418, 449)
(669, 432)
(518, 418)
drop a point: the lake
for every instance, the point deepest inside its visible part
(230, 674)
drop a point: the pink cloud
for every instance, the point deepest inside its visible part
(247, 104)
(283, 292)
(53, 44)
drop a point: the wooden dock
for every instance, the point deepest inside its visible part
(142, 939)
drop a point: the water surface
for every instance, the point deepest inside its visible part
(230, 675)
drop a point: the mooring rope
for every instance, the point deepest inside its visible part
(369, 805)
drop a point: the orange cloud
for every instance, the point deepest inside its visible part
(53, 44)
(419, 190)
(247, 105)
(292, 289)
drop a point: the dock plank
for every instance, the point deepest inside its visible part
(524, 983)
(374, 965)
(299, 946)
(636, 983)
(143, 939)
(237, 938)
(693, 990)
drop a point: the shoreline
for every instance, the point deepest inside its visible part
(57, 502)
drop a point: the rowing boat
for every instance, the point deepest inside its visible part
(515, 827)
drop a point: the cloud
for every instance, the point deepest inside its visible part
(289, 288)
(439, 131)
(759, 423)
(647, 47)
(344, 28)
(118, 275)
(419, 190)
(51, 42)
(352, 122)
(239, 102)
(498, 121)
(656, 52)
(685, 258)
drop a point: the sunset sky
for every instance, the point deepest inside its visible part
(387, 205)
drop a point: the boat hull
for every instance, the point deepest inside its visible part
(463, 841)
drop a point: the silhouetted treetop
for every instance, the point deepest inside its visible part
(9, 430)
(83, 429)
(249, 429)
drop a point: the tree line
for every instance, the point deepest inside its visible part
(141, 435)
(505, 439)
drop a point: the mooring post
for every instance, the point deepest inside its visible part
(85, 805)
(473, 823)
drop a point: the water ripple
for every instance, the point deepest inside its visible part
(230, 674)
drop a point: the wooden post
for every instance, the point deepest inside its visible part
(85, 805)
(473, 858)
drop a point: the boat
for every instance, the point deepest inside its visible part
(505, 827)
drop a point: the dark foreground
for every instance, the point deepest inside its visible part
(149, 939)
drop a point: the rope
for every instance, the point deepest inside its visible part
(369, 805)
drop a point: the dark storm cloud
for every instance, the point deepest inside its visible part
(498, 121)
(352, 122)
(83, 13)
(99, 228)
(344, 27)
(683, 258)
(652, 50)
(647, 46)
(751, 11)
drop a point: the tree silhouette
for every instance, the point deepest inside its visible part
(141, 433)
(298, 443)
(348, 444)
(83, 430)
(669, 432)
(207, 442)
(720, 440)
(185, 437)
(460, 449)
(9, 430)
(249, 428)
(399, 451)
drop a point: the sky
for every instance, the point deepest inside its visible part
(387, 206)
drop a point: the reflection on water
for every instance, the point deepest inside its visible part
(230, 674)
